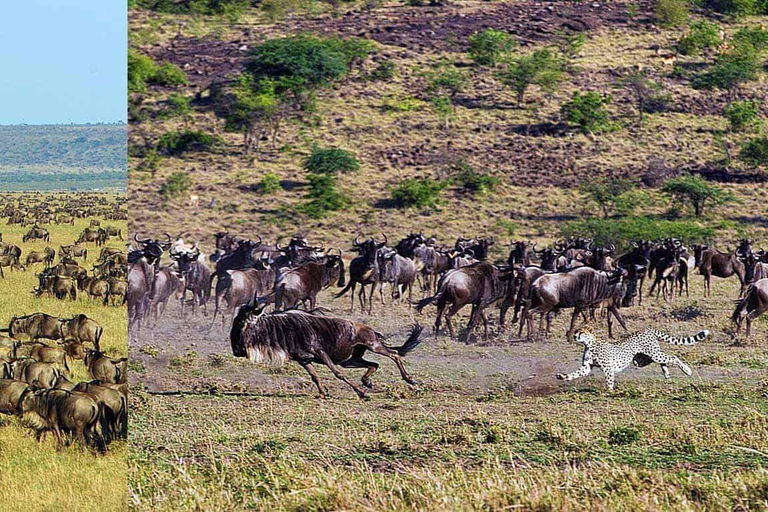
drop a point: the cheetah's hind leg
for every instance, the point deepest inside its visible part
(664, 359)
(642, 360)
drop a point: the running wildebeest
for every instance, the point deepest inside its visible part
(363, 271)
(307, 339)
(752, 305)
(304, 282)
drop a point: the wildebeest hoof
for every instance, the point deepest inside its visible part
(368, 384)
(560, 376)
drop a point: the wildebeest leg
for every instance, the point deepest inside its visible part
(370, 297)
(327, 361)
(378, 348)
(612, 309)
(352, 293)
(440, 309)
(357, 361)
(361, 297)
(572, 328)
(452, 311)
(485, 323)
(312, 373)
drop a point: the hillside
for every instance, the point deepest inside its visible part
(56, 157)
(388, 119)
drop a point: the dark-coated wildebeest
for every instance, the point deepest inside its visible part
(363, 271)
(89, 236)
(520, 254)
(106, 252)
(518, 292)
(398, 271)
(478, 247)
(36, 326)
(480, 285)
(106, 369)
(96, 287)
(308, 339)
(73, 251)
(10, 261)
(64, 412)
(118, 291)
(196, 278)
(238, 288)
(407, 245)
(718, 264)
(83, 329)
(111, 231)
(35, 257)
(60, 287)
(303, 283)
(11, 391)
(752, 305)
(34, 373)
(115, 408)
(151, 250)
(582, 289)
(754, 268)
(37, 233)
(640, 258)
(669, 272)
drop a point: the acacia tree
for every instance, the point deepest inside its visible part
(606, 193)
(540, 68)
(696, 191)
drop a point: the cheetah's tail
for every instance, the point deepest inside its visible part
(690, 340)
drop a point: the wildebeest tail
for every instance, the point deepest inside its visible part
(429, 300)
(411, 343)
(97, 342)
(345, 290)
(741, 305)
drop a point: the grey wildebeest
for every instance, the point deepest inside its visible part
(480, 285)
(73, 251)
(195, 276)
(752, 305)
(36, 233)
(64, 412)
(582, 289)
(165, 285)
(238, 288)
(11, 391)
(304, 282)
(141, 277)
(36, 326)
(11, 261)
(60, 287)
(307, 339)
(398, 271)
(363, 271)
(106, 369)
(715, 263)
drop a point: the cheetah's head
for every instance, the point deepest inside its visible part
(585, 337)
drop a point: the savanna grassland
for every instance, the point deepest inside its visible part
(488, 427)
(43, 478)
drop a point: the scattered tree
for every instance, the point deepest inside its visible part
(588, 111)
(539, 68)
(606, 192)
(743, 115)
(486, 47)
(697, 192)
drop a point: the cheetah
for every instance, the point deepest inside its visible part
(641, 349)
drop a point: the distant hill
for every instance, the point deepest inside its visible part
(45, 157)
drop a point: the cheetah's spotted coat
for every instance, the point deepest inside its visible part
(641, 348)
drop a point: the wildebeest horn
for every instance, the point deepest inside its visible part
(168, 236)
(278, 247)
(611, 247)
(470, 252)
(386, 240)
(355, 241)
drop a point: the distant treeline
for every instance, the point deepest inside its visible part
(14, 181)
(100, 146)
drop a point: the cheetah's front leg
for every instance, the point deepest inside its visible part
(583, 371)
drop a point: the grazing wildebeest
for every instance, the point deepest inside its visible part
(111, 231)
(363, 271)
(582, 289)
(35, 257)
(37, 233)
(89, 236)
(11, 261)
(11, 391)
(73, 251)
(42, 353)
(398, 271)
(60, 287)
(64, 412)
(196, 278)
(308, 339)
(752, 305)
(105, 369)
(36, 326)
(115, 408)
(83, 329)
(480, 284)
(718, 264)
(304, 282)
(95, 287)
(106, 252)
(34, 373)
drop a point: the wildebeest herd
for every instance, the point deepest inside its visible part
(44, 357)
(245, 277)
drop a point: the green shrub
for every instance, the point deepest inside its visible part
(606, 192)
(735, 8)
(176, 143)
(743, 115)
(419, 192)
(624, 230)
(230, 8)
(475, 182)
(540, 68)
(269, 184)
(446, 79)
(142, 70)
(701, 35)
(169, 75)
(323, 196)
(754, 37)
(331, 161)
(385, 71)
(588, 112)
(672, 13)
(177, 184)
(740, 64)
(487, 46)
(755, 151)
(619, 436)
(697, 192)
(178, 105)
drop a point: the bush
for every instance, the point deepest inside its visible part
(446, 79)
(624, 230)
(169, 75)
(697, 191)
(619, 436)
(178, 105)
(323, 196)
(754, 37)
(331, 161)
(743, 115)
(419, 192)
(672, 13)
(142, 70)
(739, 65)
(736, 8)
(269, 184)
(487, 46)
(755, 151)
(701, 35)
(176, 143)
(230, 8)
(386, 70)
(539, 68)
(475, 182)
(606, 192)
(587, 111)
(176, 184)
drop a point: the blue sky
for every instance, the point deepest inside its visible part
(62, 61)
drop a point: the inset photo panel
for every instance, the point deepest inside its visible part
(63, 256)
